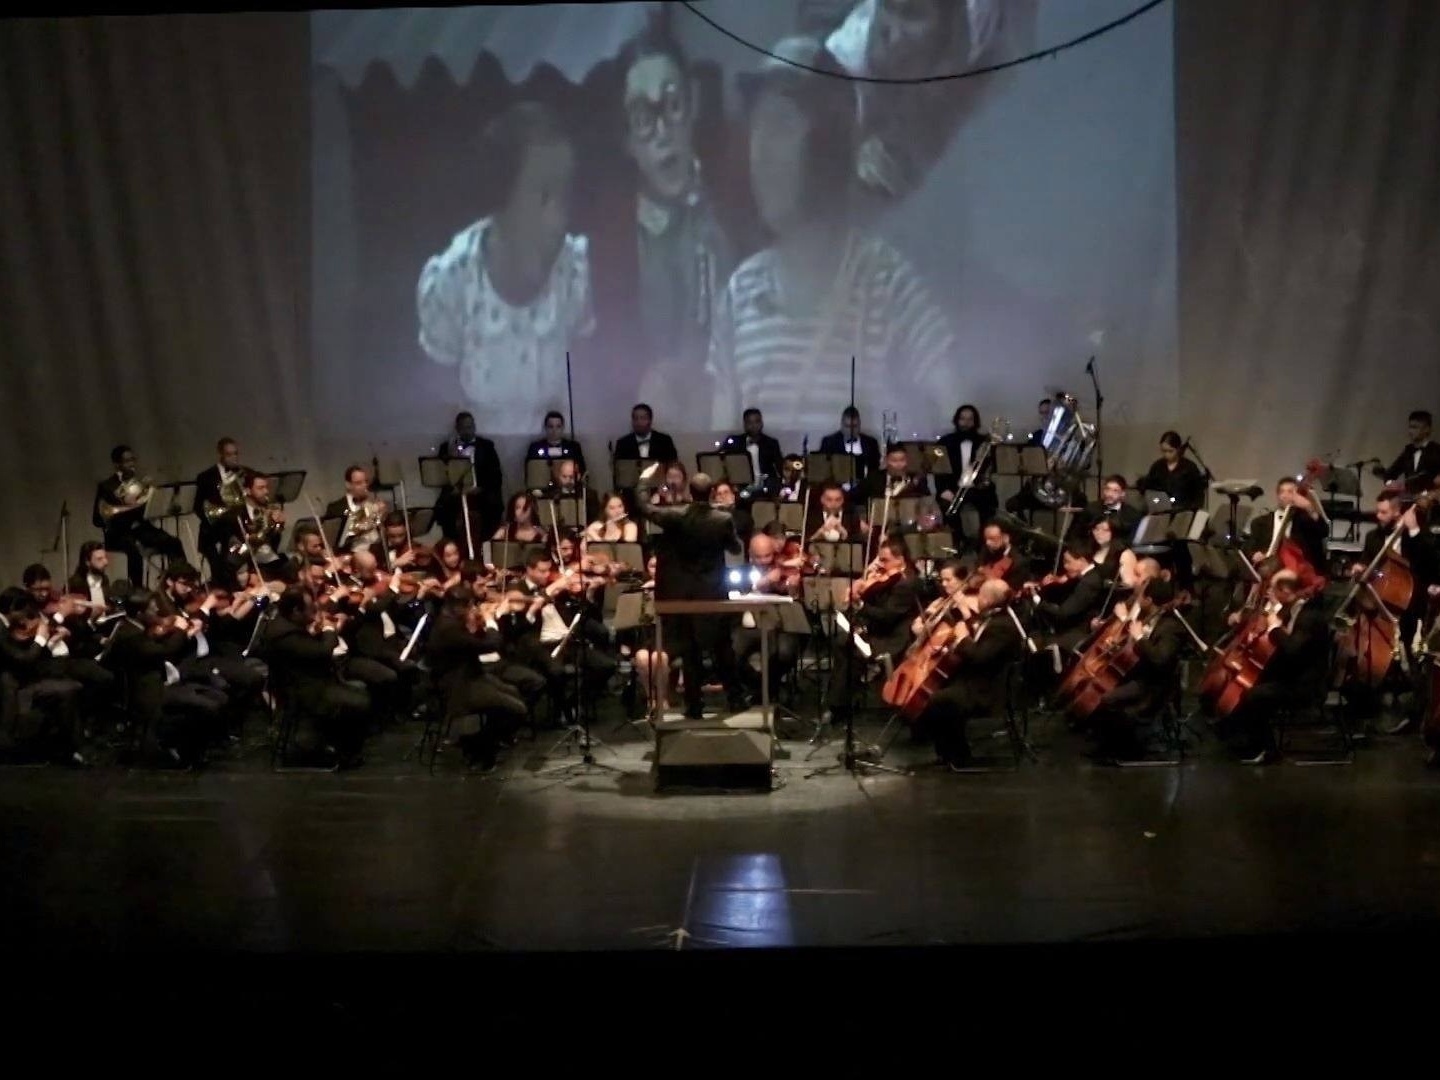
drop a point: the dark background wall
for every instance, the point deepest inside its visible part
(154, 262)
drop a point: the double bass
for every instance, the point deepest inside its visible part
(1370, 615)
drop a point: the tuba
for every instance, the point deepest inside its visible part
(1069, 445)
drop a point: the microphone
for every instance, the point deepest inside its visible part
(1090, 366)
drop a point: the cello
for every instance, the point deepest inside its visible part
(1108, 663)
(928, 665)
(1370, 614)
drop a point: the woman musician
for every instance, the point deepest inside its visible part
(614, 526)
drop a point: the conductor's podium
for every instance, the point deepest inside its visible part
(734, 751)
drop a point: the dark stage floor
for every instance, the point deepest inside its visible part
(391, 858)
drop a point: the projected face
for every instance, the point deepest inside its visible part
(754, 424)
(779, 132)
(534, 217)
(465, 427)
(850, 425)
(660, 126)
(906, 37)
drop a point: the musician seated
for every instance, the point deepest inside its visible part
(676, 489)
(1070, 603)
(1159, 641)
(521, 524)
(173, 721)
(763, 450)
(1419, 552)
(555, 599)
(615, 525)
(74, 653)
(1417, 467)
(1300, 517)
(464, 653)
(851, 440)
(793, 485)
(1174, 475)
(1113, 507)
(39, 704)
(119, 513)
(1037, 437)
(565, 484)
(644, 443)
(1112, 554)
(554, 445)
(965, 445)
(767, 577)
(998, 557)
(896, 481)
(978, 686)
(653, 674)
(184, 597)
(375, 643)
(1297, 672)
(724, 497)
(361, 512)
(302, 645)
(214, 488)
(839, 520)
(482, 496)
(883, 603)
(262, 523)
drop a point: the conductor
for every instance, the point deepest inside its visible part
(690, 565)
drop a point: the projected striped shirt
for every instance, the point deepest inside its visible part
(796, 367)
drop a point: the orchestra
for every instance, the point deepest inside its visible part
(499, 616)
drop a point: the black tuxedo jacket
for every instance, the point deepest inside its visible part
(1083, 603)
(487, 502)
(540, 450)
(1417, 479)
(1159, 654)
(662, 448)
(869, 462)
(887, 612)
(951, 443)
(691, 564)
(1186, 484)
(770, 455)
(1310, 534)
(1302, 656)
(107, 491)
(207, 490)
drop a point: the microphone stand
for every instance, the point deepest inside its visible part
(1205, 469)
(1099, 428)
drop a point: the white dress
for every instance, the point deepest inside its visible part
(511, 358)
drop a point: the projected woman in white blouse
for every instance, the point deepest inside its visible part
(793, 315)
(506, 299)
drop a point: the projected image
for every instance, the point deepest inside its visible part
(543, 208)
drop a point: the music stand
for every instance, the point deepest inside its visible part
(842, 469)
(513, 553)
(422, 520)
(626, 473)
(930, 457)
(824, 593)
(164, 500)
(790, 515)
(537, 473)
(845, 558)
(1189, 525)
(285, 485)
(734, 466)
(566, 510)
(903, 511)
(631, 555)
(332, 527)
(931, 546)
(443, 472)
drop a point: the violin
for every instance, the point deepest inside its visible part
(874, 578)
(994, 571)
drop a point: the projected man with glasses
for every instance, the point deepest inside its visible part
(511, 293)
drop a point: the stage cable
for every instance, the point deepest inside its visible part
(989, 69)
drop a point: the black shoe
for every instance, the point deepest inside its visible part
(694, 712)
